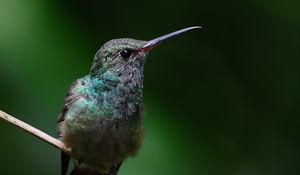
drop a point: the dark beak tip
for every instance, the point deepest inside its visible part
(150, 44)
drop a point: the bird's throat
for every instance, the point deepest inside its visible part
(119, 95)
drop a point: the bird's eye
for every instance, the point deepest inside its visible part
(126, 53)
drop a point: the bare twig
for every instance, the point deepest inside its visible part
(39, 134)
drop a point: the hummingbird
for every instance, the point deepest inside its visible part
(101, 121)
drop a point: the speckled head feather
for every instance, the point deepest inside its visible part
(109, 55)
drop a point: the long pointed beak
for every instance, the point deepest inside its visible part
(150, 44)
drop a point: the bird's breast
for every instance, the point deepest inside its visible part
(103, 142)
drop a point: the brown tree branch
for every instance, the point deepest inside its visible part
(37, 133)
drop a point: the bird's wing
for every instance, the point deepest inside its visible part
(69, 100)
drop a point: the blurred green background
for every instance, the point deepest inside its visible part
(220, 100)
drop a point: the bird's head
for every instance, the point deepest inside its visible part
(122, 55)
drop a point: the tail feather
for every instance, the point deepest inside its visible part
(65, 159)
